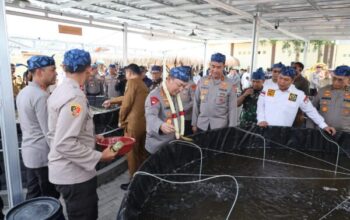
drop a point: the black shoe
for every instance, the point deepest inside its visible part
(125, 186)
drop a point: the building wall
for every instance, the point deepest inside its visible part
(242, 51)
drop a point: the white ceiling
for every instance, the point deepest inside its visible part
(210, 19)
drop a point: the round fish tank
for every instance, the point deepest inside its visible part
(244, 173)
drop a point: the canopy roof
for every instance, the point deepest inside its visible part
(209, 19)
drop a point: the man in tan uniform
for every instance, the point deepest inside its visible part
(333, 101)
(215, 102)
(72, 157)
(159, 118)
(132, 117)
(187, 96)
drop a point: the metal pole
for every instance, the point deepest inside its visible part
(205, 59)
(125, 44)
(306, 48)
(8, 121)
(256, 25)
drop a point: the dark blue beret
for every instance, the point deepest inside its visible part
(36, 62)
(156, 68)
(76, 58)
(258, 74)
(180, 73)
(278, 65)
(218, 57)
(288, 71)
(342, 70)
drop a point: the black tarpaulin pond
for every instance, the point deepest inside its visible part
(245, 173)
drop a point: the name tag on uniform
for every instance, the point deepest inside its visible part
(206, 82)
(292, 97)
(271, 92)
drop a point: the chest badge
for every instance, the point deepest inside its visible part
(271, 92)
(292, 97)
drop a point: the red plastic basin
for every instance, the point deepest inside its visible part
(109, 141)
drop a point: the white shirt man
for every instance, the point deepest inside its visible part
(278, 106)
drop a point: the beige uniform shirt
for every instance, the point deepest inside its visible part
(157, 112)
(334, 106)
(72, 157)
(187, 96)
(214, 104)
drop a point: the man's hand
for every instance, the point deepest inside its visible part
(107, 104)
(108, 155)
(167, 128)
(330, 130)
(263, 124)
(99, 138)
(194, 129)
(248, 92)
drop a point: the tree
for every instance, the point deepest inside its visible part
(318, 44)
(298, 47)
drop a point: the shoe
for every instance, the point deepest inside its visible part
(125, 186)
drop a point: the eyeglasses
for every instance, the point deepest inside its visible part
(276, 71)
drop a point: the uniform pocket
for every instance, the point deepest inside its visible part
(221, 98)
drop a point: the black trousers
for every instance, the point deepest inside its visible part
(38, 183)
(81, 200)
(188, 127)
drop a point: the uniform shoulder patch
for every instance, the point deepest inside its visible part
(271, 92)
(292, 97)
(154, 100)
(75, 109)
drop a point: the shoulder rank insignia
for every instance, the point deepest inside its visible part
(75, 109)
(271, 92)
(292, 97)
(154, 100)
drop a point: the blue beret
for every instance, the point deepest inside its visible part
(342, 71)
(278, 65)
(188, 69)
(156, 68)
(76, 58)
(94, 66)
(258, 74)
(180, 73)
(288, 71)
(112, 66)
(36, 62)
(218, 57)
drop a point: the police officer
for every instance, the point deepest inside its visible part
(111, 82)
(32, 112)
(159, 118)
(94, 84)
(333, 101)
(187, 96)
(276, 70)
(17, 82)
(249, 98)
(156, 72)
(279, 106)
(72, 157)
(215, 102)
(148, 82)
